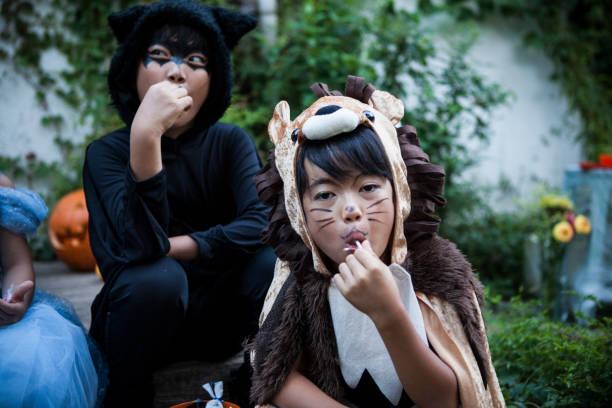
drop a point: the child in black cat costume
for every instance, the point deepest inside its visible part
(175, 222)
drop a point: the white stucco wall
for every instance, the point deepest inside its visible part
(21, 130)
(524, 147)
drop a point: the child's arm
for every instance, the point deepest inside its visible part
(183, 247)
(161, 105)
(366, 282)
(18, 282)
(299, 392)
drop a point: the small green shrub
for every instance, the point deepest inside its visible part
(491, 241)
(544, 363)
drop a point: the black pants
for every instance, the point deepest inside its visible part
(166, 311)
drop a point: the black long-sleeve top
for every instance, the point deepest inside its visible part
(205, 190)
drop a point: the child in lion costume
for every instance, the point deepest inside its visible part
(368, 307)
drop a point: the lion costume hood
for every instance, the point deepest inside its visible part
(296, 318)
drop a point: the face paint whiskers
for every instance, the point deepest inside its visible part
(327, 221)
(376, 212)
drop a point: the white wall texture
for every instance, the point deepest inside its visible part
(21, 131)
(523, 148)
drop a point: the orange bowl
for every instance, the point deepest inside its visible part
(188, 404)
(605, 159)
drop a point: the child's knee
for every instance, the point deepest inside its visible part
(160, 284)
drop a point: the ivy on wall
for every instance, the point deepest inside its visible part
(577, 37)
(77, 29)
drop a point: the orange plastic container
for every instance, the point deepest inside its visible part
(605, 159)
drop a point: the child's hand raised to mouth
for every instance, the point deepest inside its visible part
(367, 283)
(161, 106)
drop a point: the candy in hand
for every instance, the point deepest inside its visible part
(9, 293)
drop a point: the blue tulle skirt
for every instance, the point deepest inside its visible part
(47, 360)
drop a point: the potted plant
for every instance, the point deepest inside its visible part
(552, 225)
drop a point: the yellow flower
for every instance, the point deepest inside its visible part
(563, 232)
(582, 224)
(556, 202)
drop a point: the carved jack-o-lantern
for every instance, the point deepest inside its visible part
(68, 232)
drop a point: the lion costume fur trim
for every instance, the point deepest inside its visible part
(299, 323)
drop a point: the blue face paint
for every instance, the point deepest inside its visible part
(180, 42)
(177, 59)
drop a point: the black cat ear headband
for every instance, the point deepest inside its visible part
(231, 25)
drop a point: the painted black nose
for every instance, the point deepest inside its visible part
(326, 110)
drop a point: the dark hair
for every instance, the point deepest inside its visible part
(358, 151)
(179, 36)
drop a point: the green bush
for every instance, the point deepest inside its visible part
(544, 363)
(492, 242)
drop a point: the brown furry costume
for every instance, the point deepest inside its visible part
(296, 320)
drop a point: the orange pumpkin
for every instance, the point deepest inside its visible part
(68, 232)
